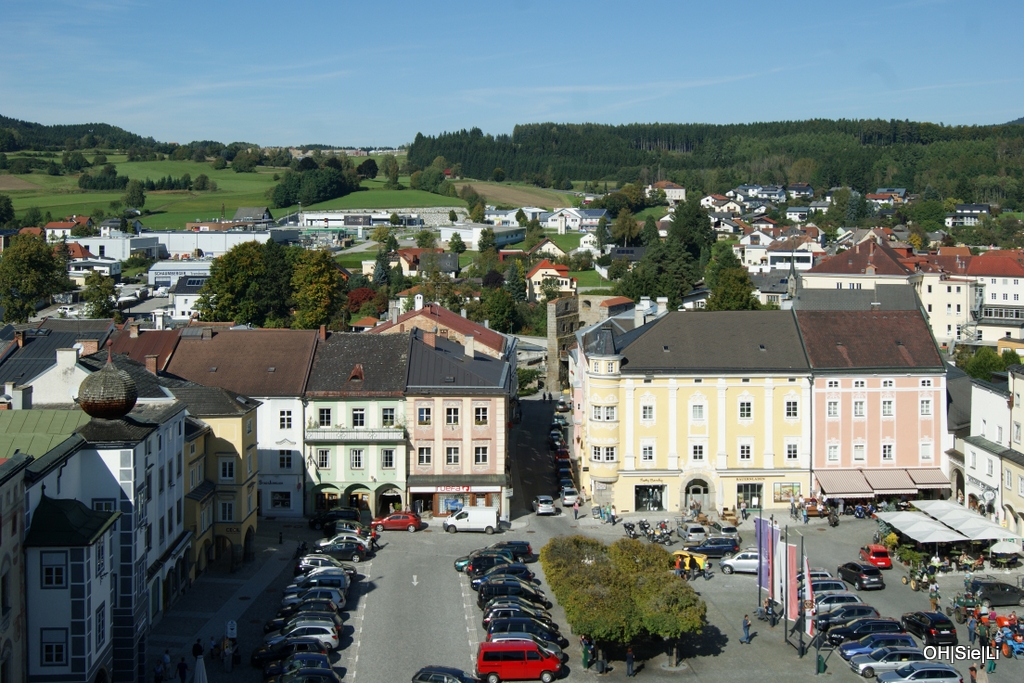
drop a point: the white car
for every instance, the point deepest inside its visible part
(692, 534)
(544, 505)
(745, 562)
(320, 630)
(67, 310)
(345, 536)
(570, 496)
(826, 602)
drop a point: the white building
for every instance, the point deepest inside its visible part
(80, 268)
(183, 244)
(166, 273)
(120, 246)
(470, 234)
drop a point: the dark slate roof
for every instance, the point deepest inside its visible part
(67, 523)
(958, 395)
(996, 449)
(202, 491)
(889, 298)
(360, 364)
(194, 427)
(213, 401)
(1000, 388)
(444, 369)
(868, 339)
(774, 281)
(188, 284)
(9, 467)
(39, 352)
(627, 253)
(147, 384)
(718, 341)
(81, 326)
(612, 335)
(252, 213)
(125, 430)
(448, 262)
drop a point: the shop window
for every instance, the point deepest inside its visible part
(750, 495)
(281, 500)
(649, 498)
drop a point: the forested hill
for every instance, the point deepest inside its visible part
(15, 135)
(1019, 121)
(861, 153)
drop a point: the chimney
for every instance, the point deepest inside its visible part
(395, 313)
(89, 346)
(151, 363)
(470, 345)
(419, 302)
(9, 388)
(133, 330)
(662, 305)
(323, 333)
(487, 324)
(66, 358)
(21, 398)
(638, 315)
(207, 333)
(19, 336)
(428, 339)
(463, 313)
(158, 318)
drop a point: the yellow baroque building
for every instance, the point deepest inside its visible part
(712, 407)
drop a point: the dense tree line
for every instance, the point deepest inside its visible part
(311, 182)
(16, 135)
(169, 183)
(969, 162)
(105, 179)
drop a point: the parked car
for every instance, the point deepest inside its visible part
(314, 675)
(280, 623)
(544, 645)
(829, 601)
(343, 537)
(521, 550)
(934, 672)
(517, 569)
(716, 546)
(342, 525)
(442, 674)
(862, 576)
(517, 660)
(308, 563)
(333, 594)
(870, 643)
(844, 614)
(481, 564)
(692, 534)
(308, 606)
(298, 660)
(346, 550)
(857, 629)
(462, 562)
(516, 610)
(320, 519)
(318, 630)
(885, 659)
(725, 529)
(544, 505)
(527, 625)
(407, 521)
(510, 587)
(876, 554)
(559, 421)
(569, 497)
(828, 586)
(337, 582)
(512, 601)
(562, 407)
(933, 628)
(814, 574)
(745, 562)
(994, 593)
(267, 653)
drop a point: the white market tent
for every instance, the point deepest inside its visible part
(973, 526)
(920, 527)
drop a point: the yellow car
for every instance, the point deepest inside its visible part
(696, 559)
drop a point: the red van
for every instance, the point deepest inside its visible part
(516, 660)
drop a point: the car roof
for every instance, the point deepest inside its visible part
(931, 664)
(507, 644)
(873, 547)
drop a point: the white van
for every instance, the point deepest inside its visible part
(472, 519)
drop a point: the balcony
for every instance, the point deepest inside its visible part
(352, 435)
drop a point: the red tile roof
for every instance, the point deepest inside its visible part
(868, 339)
(368, 321)
(765, 219)
(432, 315)
(955, 251)
(76, 250)
(59, 225)
(864, 256)
(667, 185)
(615, 301)
(159, 343)
(30, 231)
(720, 197)
(994, 266)
(79, 220)
(412, 255)
(563, 271)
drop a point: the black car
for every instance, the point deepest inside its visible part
(859, 628)
(862, 576)
(442, 674)
(717, 546)
(319, 520)
(264, 654)
(481, 564)
(316, 675)
(990, 591)
(933, 628)
(512, 601)
(521, 550)
(517, 569)
(345, 550)
(510, 587)
(510, 611)
(843, 615)
(299, 660)
(307, 606)
(527, 625)
(278, 623)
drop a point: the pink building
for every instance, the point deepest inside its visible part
(879, 399)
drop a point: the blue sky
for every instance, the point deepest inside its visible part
(376, 73)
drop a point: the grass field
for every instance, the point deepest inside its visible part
(516, 194)
(566, 242)
(656, 211)
(588, 278)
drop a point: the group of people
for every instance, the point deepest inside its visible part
(799, 508)
(607, 513)
(990, 635)
(224, 649)
(588, 649)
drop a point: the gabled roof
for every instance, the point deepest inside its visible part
(543, 242)
(67, 523)
(839, 340)
(963, 252)
(160, 343)
(790, 244)
(667, 185)
(443, 368)
(999, 264)
(881, 259)
(894, 297)
(188, 284)
(30, 231)
(39, 352)
(59, 225)
(615, 301)
(368, 321)
(76, 250)
(262, 362)
(360, 365)
(764, 219)
(252, 213)
(213, 401)
(441, 317)
(79, 220)
(718, 341)
(563, 271)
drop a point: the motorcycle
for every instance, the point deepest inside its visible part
(661, 536)
(630, 529)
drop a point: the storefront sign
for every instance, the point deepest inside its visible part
(652, 481)
(270, 482)
(454, 489)
(977, 482)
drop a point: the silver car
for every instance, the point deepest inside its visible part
(569, 497)
(692, 534)
(885, 659)
(544, 505)
(343, 537)
(745, 562)
(827, 602)
(727, 530)
(939, 672)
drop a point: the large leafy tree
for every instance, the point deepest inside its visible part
(319, 290)
(250, 284)
(134, 194)
(625, 227)
(515, 282)
(691, 227)
(426, 239)
(722, 258)
(667, 269)
(30, 271)
(99, 295)
(6, 210)
(649, 233)
(455, 244)
(733, 291)
(500, 309)
(487, 241)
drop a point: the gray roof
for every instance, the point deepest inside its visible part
(448, 262)
(252, 213)
(445, 369)
(213, 401)
(360, 364)
(39, 352)
(627, 253)
(66, 522)
(775, 281)
(719, 341)
(890, 298)
(147, 384)
(121, 431)
(958, 396)
(996, 449)
(188, 284)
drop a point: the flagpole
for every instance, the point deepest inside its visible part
(760, 542)
(807, 580)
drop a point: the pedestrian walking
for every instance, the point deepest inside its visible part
(227, 655)
(973, 671)
(600, 509)
(629, 662)
(806, 518)
(997, 649)
(182, 670)
(990, 667)
(972, 626)
(612, 513)
(373, 540)
(982, 676)
(842, 506)
(933, 598)
(167, 662)
(213, 648)
(576, 509)
(158, 673)
(586, 655)
(746, 630)
(983, 634)
(792, 507)
(743, 511)
(197, 649)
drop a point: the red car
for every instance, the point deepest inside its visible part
(397, 521)
(562, 454)
(877, 555)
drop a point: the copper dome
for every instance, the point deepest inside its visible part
(108, 394)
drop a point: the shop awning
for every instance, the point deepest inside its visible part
(843, 483)
(929, 478)
(971, 524)
(889, 482)
(920, 527)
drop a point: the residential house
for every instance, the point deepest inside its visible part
(799, 191)
(588, 242)
(79, 269)
(567, 219)
(667, 418)
(985, 456)
(363, 324)
(56, 231)
(673, 193)
(822, 207)
(879, 404)
(752, 250)
(744, 192)
(999, 293)
(80, 221)
(253, 216)
(14, 655)
(797, 214)
(470, 233)
(899, 193)
(453, 327)
(547, 273)
(729, 206)
(764, 223)
(863, 266)
(547, 248)
(1013, 459)
(771, 287)
(75, 250)
(184, 295)
(710, 200)
(357, 427)
(771, 193)
(967, 215)
(881, 200)
(419, 262)
(269, 367)
(459, 403)
(800, 251)
(30, 353)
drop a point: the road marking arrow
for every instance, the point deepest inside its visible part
(414, 581)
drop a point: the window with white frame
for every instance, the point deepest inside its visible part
(746, 410)
(610, 367)
(323, 458)
(859, 384)
(387, 417)
(54, 572)
(609, 453)
(53, 643)
(423, 416)
(284, 460)
(597, 366)
(387, 458)
(1020, 485)
(1008, 479)
(792, 410)
(697, 451)
(647, 413)
(926, 382)
(858, 408)
(833, 453)
(887, 452)
(227, 511)
(858, 452)
(1016, 432)
(358, 417)
(480, 455)
(833, 384)
(698, 411)
(355, 458)
(451, 416)
(285, 419)
(227, 469)
(596, 453)
(926, 407)
(973, 460)
(451, 455)
(596, 412)
(832, 409)
(888, 383)
(999, 433)
(887, 407)
(480, 415)
(988, 466)
(647, 453)
(792, 451)
(424, 456)
(609, 414)
(745, 451)
(101, 625)
(324, 417)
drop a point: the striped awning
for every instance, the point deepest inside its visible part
(843, 483)
(890, 482)
(929, 478)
